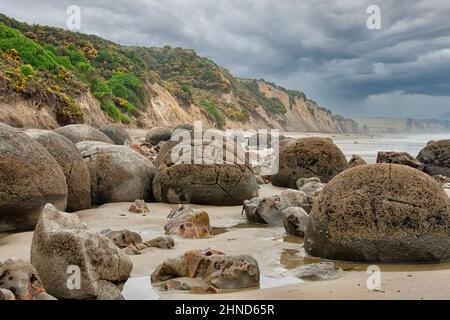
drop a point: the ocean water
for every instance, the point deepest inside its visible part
(368, 146)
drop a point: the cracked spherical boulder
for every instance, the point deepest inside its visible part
(29, 178)
(436, 158)
(80, 132)
(72, 165)
(307, 158)
(224, 178)
(64, 252)
(118, 173)
(380, 213)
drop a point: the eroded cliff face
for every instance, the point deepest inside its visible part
(303, 115)
(163, 109)
(32, 113)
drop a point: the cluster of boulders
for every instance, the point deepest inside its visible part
(214, 269)
(45, 174)
(388, 212)
(269, 210)
(434, 159)
(289, 209)
(132, 244)
(72, 167)
(392, 211)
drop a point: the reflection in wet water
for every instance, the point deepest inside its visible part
(291, 259)
(221, 230)
(294, 258)
(269, 282)
(140, 288)
(218, 231)
(292, 239)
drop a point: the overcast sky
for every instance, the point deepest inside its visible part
(322, 47)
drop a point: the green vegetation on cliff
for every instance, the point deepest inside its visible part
(57, 66)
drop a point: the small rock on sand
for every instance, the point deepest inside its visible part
(139, 206)
(295, 220)
(403, 158)
(213, 267)
(318, 272)
(356, 161)
(189, 224)
(22, 280)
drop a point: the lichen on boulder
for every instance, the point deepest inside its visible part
(30, 177)
(380, 213)
(307, 158)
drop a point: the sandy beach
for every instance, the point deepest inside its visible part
(276, 253)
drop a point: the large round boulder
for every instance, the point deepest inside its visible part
(72, 164)
(436, 158)
(118, 173)
(157, 135)
(80, 132)
(307, 158)
(224, 182)
(117, 134)
(29, 178)
(380, 213)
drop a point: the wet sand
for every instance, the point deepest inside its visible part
(276, 253)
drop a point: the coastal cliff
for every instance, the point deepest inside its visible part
(51, 77)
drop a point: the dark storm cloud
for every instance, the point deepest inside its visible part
(322, 47)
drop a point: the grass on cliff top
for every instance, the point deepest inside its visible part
(120, 93)
(30, 52)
